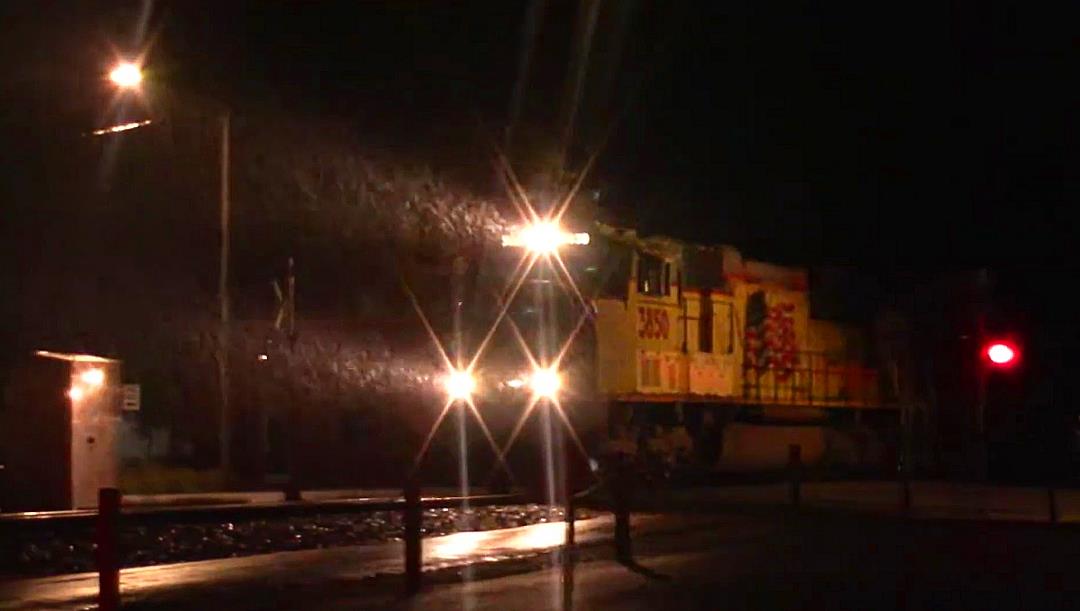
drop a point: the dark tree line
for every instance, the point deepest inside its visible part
(118, 253)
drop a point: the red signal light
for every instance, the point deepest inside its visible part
(1001, 354)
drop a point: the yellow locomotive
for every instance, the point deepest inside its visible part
(704, 356)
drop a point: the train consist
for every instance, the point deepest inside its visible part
(703, 357)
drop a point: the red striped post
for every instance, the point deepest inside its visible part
(108, 556)
(412, 518)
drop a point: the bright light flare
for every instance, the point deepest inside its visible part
(93, 377)
(1001, 353)
(544, 237)
(123, 127)
(496, 542)
(542, 536)
(460, 385)
(545, 383)
(75, 393)
(126, 75)
(456, 545)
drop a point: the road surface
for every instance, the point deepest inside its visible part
(314, 567)
(929, 499)
(771, 561)
(756, 558)
(818, 564)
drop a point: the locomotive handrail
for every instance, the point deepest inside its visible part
(854, 385)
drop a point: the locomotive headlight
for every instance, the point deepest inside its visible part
(460, 385)
(544, 237)
(545, 383)
(541, 237)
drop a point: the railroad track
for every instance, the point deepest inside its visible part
(139, 514)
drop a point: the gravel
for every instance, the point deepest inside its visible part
(40, 552)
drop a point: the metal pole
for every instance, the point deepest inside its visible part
(587, 18)
(904, 471)
(224, 425)
(108, 556)
(621, 503)
(533, 19)
(413, 549)
(981, 450)
(568, 491)
(795, 472)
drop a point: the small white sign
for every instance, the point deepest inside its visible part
(132, 397)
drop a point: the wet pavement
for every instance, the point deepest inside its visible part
(295, 571)
(929, 499)
(777, 561)
(861, 564)
(971, 547)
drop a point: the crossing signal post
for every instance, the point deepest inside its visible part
(998, 358)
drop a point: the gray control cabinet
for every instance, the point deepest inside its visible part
(59, 432)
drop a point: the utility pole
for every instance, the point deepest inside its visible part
(224, 424)
(588, 14)
(533, 22)
(128, 76)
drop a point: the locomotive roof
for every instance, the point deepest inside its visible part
(709, 265)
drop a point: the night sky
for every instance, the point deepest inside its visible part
(880, 136)
(844, 133)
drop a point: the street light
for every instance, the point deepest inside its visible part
(126, 75)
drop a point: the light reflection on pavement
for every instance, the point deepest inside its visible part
(930, 499)
(348, 563)
(497, 544)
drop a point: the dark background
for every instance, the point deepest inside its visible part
(924, 135)
(908, 146)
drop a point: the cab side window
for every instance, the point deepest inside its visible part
(651, 276)
(725, 329)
